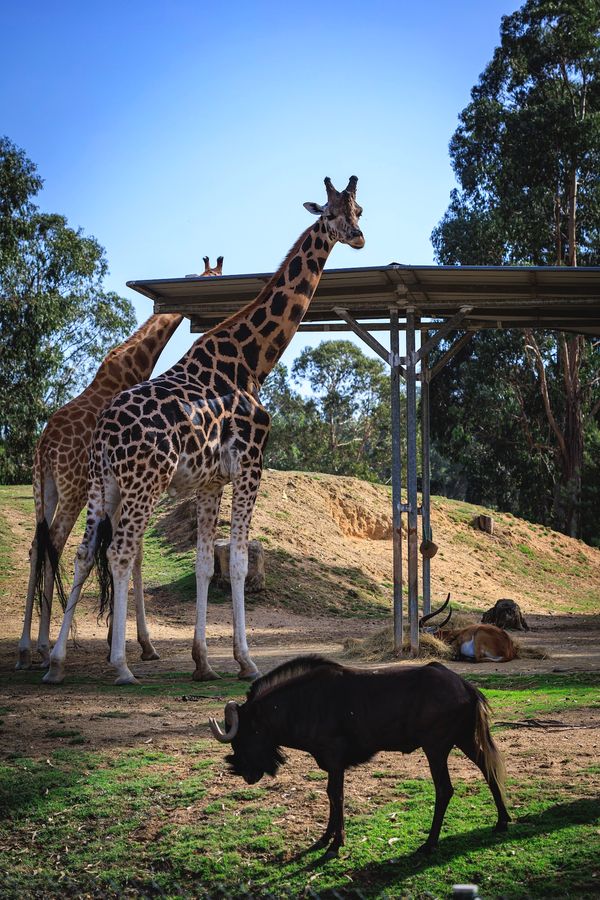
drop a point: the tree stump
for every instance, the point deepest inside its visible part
(485, 523)
(255, 579)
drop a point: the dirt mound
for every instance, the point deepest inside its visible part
(328, 548)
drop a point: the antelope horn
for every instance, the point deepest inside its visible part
(446, 620)
(232, 720)
(436, 612)
(351, 188)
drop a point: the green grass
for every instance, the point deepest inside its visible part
(157, 823)
(530, 696)
(82, 822)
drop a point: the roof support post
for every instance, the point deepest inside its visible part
(425, 479)
(411, 460)
(396, 483)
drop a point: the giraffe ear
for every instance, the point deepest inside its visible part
(315, 209)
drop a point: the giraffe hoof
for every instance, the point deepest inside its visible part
(249, 676)
(126, 679)
(54, 675)
(149, 654)
(24, 660)
(205, 675)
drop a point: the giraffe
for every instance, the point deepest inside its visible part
(192, 430)
(60, 474)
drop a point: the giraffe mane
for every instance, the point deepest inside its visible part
(268, 288)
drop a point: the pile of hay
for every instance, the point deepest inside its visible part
(379, 647)
(530, 652)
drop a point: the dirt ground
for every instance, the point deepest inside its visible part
(112, 720)
(170, 723)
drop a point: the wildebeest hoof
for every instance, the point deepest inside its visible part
(332, 853)
(425, 849)
(501, 826)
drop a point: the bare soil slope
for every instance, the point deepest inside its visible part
(328, 546)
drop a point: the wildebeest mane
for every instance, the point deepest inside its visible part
(289, 671)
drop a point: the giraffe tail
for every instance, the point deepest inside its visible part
(47, 551)
(105, 580)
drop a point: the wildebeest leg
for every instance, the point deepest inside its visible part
(438, 765)
(334, 835)
(467, 745)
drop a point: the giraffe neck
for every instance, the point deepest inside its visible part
(134, 360)
(247, 346)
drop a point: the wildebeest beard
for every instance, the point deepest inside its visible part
(252, 767)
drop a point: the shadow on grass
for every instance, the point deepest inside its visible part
(539, 883)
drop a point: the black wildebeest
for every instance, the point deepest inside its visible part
(343, 716)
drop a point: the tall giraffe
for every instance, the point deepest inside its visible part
(60, 473)
(192, 430)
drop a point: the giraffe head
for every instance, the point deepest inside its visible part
(218, 269)
(341, 213)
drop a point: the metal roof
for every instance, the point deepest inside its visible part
(555, 298)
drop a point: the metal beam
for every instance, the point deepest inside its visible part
(425, 481)
(450, 354)
(411, 461)
(390, 358)
(396, 485)
(441, 333)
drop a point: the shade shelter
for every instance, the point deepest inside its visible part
(439, 302)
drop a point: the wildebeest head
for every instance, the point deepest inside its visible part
(434, 629)
(254, 753)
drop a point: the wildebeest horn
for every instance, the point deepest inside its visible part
(436, 612)
(232, 720)
(351, 188)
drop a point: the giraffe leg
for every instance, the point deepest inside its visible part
(124, 549)
(50, 502)
(62, 525)
(207, 512)
(245, 490)
(84, 561)
(143, 635)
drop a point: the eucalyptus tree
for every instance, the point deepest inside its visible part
(526, 155)
(57, 321)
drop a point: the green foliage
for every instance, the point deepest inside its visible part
(57, 321)
(343, 427)
(526, 155)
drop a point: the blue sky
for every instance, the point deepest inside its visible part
(173, 130)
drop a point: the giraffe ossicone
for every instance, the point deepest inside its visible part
(60, 475)
(192, 430)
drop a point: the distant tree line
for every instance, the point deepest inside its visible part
(56, 320)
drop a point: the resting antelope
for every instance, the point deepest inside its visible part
(479, 643)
